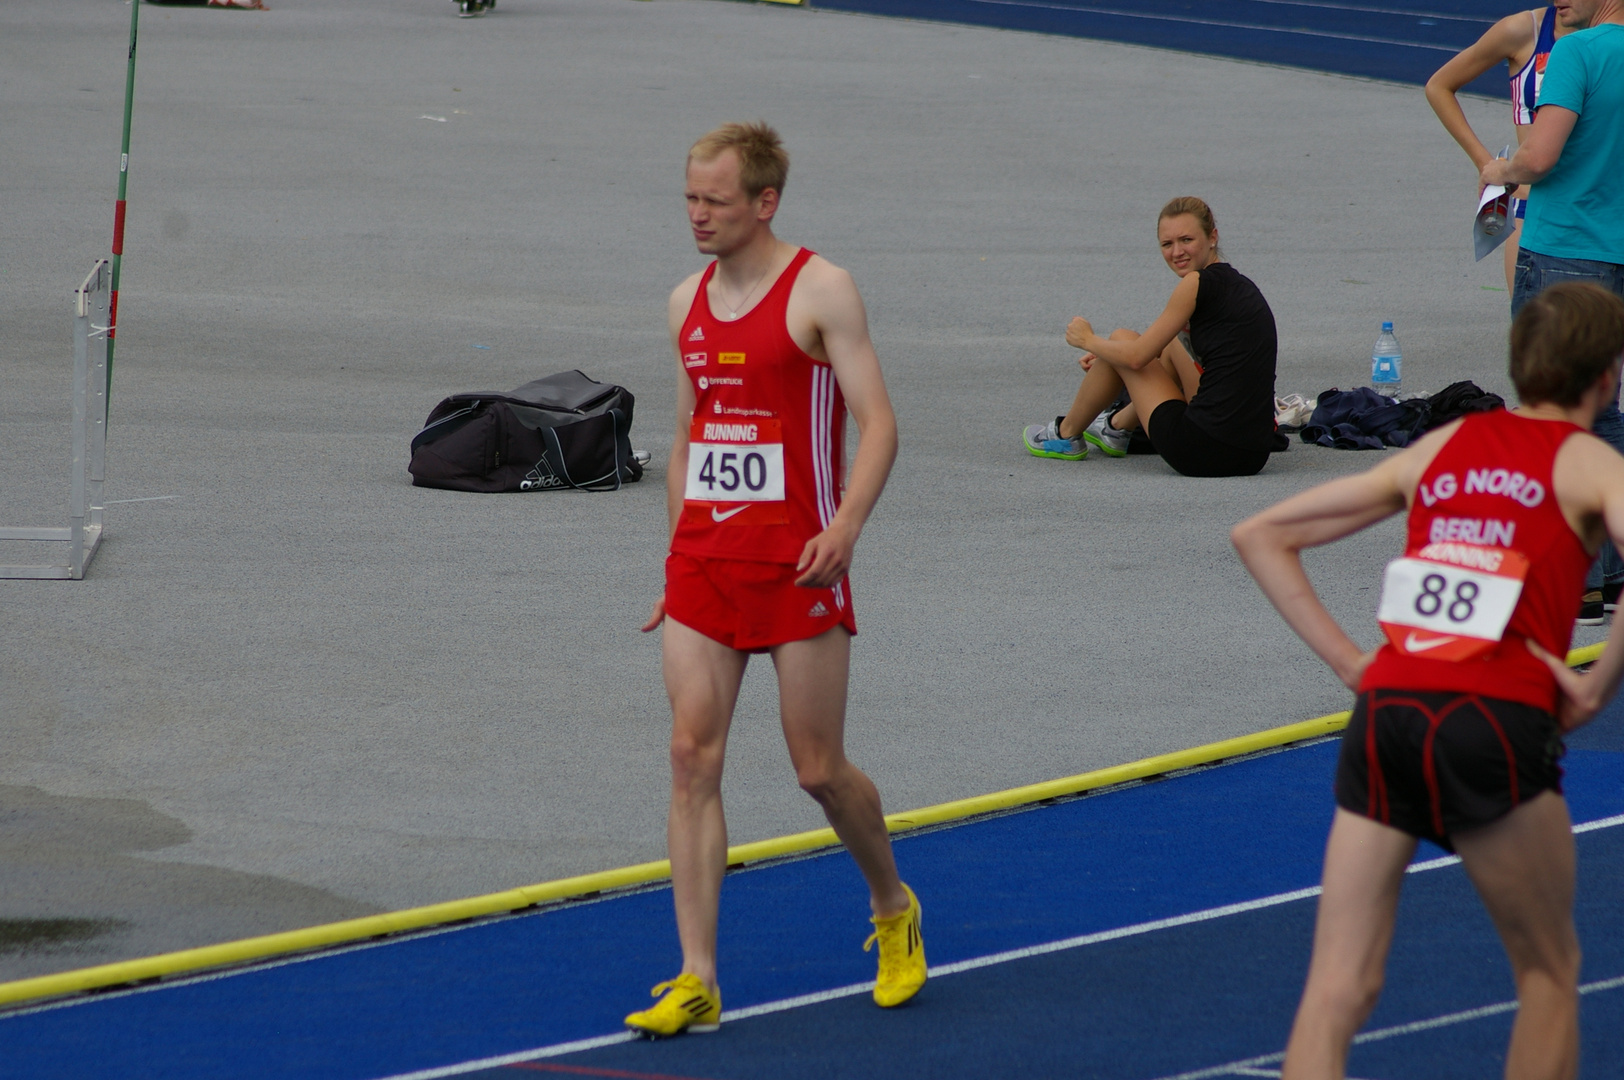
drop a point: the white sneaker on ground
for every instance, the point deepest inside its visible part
(1292, 412)
(1112, 442)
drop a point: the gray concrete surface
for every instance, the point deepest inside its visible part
(295, 688)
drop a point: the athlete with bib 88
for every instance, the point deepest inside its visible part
(1456, 732)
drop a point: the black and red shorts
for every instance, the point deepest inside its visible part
(752, 606)
(1436, 763)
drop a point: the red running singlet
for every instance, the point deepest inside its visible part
(1489, 489)
(767, 444)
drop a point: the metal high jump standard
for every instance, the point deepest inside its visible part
(83, 535)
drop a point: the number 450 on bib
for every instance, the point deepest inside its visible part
(737, 462)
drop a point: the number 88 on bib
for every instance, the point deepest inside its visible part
(1454, 605)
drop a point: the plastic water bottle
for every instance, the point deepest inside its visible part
(1386, 363)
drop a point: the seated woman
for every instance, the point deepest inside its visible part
(1207, 402)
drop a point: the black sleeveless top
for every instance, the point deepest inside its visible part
(1233, 337)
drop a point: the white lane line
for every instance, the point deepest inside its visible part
(786, 1004)
(1444, 16)
(514, 1059)
(1125, 931)
(1081, 940)
(1217, 22)
(1252, 1066)
(1599, 823)
(149, 498)
(1451, 860)
(939, 970)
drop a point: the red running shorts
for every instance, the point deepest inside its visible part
(752, 606)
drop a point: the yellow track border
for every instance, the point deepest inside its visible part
(150, 968)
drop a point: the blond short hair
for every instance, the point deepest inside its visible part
(763, 161)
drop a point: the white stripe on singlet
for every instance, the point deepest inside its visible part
(822, 458)
(823, 422)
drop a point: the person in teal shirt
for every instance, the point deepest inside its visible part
(1573, 229)
(1574, 161)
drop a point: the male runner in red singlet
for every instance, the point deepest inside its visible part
(772, 348)
(1457, 728)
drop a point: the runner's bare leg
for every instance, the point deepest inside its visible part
(1364, 867)
(812, 678)
(1523, 867)
(702, 678)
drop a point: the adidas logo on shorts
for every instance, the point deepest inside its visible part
(818, 611)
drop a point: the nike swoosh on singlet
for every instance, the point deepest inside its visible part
(1414, 644)
(728, 513)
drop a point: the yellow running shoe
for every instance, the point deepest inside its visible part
(902, 955)
(686, 1006)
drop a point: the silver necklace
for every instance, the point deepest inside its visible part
(733, 309)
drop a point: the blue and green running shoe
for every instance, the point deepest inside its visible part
(1043, 440)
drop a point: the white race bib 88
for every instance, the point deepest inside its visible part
(1434, 606)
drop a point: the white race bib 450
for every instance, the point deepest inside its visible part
(1453, 601)
(736, 471)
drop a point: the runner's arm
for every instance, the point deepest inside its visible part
(676, 473)
(1505, 39)
(1270, 544)
(676, 477)
(843, 326)
(1583, 696)
(1141, 350)
(1538, 154)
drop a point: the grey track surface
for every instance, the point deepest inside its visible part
(295, 688)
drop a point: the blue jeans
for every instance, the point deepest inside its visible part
(1609, 568)
(1535, 274)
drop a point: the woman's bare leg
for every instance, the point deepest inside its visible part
(1172, 376)
(1523, 867)
(1182, 367)
(1364, 867)
(1100, 387)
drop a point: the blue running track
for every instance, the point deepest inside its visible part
(1182, 909)
(1402, 42)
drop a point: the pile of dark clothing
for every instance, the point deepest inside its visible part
(1362, 419)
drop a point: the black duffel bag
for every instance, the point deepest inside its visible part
(564, 431)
